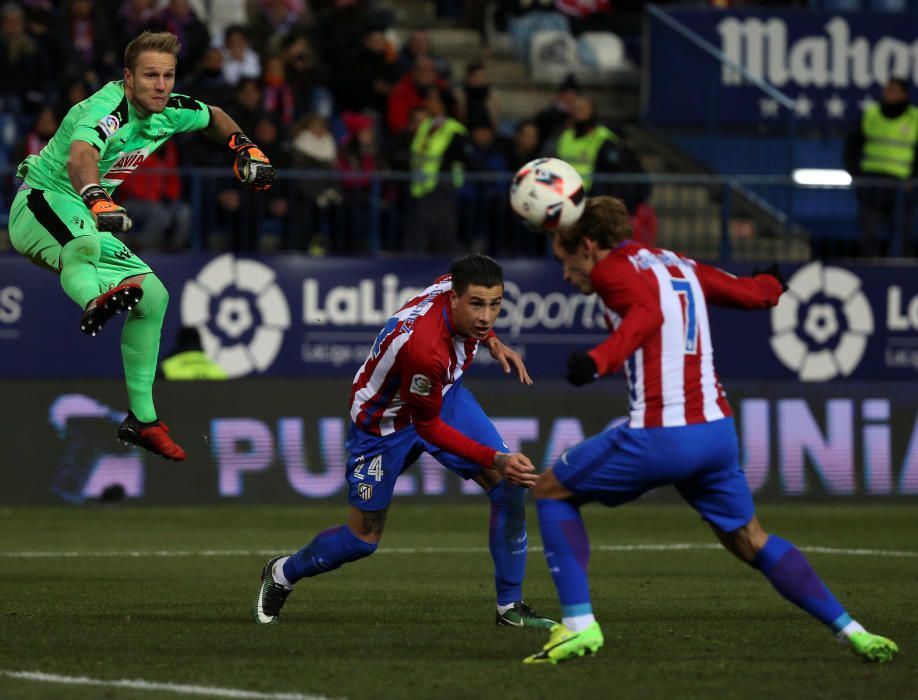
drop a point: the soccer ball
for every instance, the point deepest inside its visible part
(547, 194)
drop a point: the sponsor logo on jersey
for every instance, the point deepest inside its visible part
(420, 385)
(109, 124)
(126, 163)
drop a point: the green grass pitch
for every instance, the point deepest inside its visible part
(416, 619)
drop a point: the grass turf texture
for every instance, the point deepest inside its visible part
(686, 624)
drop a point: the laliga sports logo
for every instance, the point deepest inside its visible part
(240, 312)
(820, 327)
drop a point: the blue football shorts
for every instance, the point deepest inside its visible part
(701, 461)
(375, 462)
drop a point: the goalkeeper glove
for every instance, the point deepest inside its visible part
(774, 272)
(108, 215)
(581, 368)
(252, 167)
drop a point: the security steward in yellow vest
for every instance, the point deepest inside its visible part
(885, 146)
(188, 361)
(594, 149)
(438, 149)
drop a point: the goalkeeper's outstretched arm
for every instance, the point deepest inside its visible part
(221, 126)
(251, 166)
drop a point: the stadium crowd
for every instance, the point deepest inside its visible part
(326, 88)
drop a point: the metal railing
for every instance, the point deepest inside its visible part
(710, 217)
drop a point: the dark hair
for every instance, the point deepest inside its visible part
(475, 269)
(901, 82)
(160, 42)
(604, 220)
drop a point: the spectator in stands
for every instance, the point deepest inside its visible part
(525, 145)
(41, 17)
(526, 17)
(133, 17)
(552, 120)
(207, 82)
(46, 123)
(439, 153)
(358, 157)
(306, 77)
(367, 84)
(275, 20)
(278, 99)
(274, 227)
(338, 34)
(247, 106)
(593, 149)
(73, 89)
(478, 107)
(418, 46)
(359, 152)
(89, 42)
(315, 150)
(411, 91)
(162, 219)
(239, 60)
(180, 18)
(24, 65)
(484, 200)
(884, 147)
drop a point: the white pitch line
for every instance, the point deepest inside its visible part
(671, 547)
(160, 687)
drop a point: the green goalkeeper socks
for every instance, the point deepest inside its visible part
(140, 347)
(79, 276)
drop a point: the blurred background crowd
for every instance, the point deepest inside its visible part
(338, 92)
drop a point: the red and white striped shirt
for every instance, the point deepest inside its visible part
(416, 358)
(656, 307)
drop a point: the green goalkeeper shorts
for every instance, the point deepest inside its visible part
(42, 223)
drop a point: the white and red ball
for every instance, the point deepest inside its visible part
(547, 194)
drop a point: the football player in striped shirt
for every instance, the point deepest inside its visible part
(680, 429)
(407, 398)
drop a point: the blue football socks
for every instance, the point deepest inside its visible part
(507, 540)
(793, 577)
(328, 550)
(567, 552)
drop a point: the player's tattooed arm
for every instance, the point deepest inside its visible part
(516, 468)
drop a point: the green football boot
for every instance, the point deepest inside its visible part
(521, 615)
(873, 647)
(564, 645)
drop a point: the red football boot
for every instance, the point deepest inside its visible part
(124, 297)
(150, 436)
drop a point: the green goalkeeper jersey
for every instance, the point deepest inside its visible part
(108, 121)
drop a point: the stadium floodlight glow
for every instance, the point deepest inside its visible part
(821, 176)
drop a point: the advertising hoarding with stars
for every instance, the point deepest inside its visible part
(827, 66)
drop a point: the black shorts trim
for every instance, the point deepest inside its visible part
(45, 215)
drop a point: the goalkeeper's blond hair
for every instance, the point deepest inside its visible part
(160, 42)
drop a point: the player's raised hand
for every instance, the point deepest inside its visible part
(509, 359)
(108, 215)
(252, 166)
(516, 468)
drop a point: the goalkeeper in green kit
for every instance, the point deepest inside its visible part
(63, 215)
